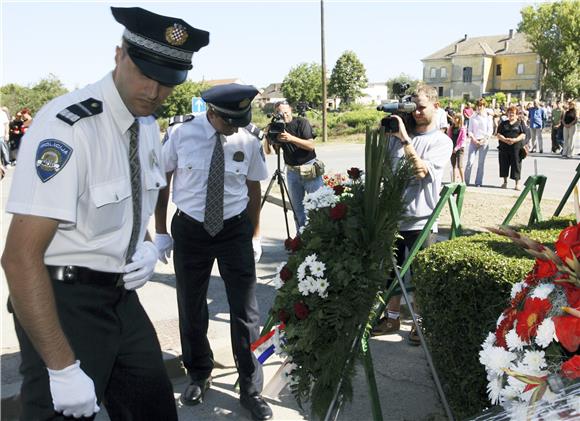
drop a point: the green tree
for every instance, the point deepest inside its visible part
(16, 97)
(179, 102)
(552, 31)
(304, 84)
(402, 78)
(348, 78)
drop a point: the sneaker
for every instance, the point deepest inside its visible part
(386, 326)
(414, 337)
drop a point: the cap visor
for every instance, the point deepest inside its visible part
(240, 121)
(162, 74)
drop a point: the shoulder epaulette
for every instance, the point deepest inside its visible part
(255, 130)
(87, 108)
(180, 119)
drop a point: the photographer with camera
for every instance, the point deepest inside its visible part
(418, 140)
(304, 172)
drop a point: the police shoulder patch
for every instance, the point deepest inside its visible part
(87, 108)
(51, 157)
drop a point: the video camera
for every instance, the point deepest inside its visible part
(403, 108)
(277, 126)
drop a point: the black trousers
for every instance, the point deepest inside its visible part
(116, 343)
(510, 162)
(194, 254)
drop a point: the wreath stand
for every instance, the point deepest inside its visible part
(573, 184)
(535, 186)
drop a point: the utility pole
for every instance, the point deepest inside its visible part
(324, 134)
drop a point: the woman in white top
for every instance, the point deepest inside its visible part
(480, 130)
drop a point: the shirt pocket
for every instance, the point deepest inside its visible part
(108, 209)
(237, 167)
(154, 180)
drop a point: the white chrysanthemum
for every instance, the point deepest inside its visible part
(542, 291)
(309, 202)
(517, 288)
(535, 360)
(500, 319)
(277, 282)
(546, 333)
(309, 260)
(303, 287)
(514, 342)
(317, 269)
(518, 411)
(322, 286)
(489, 341)
(495, 359)
(574, 403)
(312, 284)
(494, 387)
(303, 228)
(301, 272)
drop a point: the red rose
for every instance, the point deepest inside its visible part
(283, 315)
(338, 189)
(285, 273)
(301, 310)
(568, 243)
(292, 244)
(544, 269)
(338, 212)
(571, 368)
(354, 173)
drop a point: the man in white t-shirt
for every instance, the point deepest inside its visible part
(429, 151)
(442, 122)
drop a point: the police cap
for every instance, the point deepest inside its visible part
(161, 46)
(232, 102)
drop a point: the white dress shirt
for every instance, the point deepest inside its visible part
(91, 194)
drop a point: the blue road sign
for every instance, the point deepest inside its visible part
(197, 105)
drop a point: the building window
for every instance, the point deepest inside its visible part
(440, 89)
(467, 74)
(433, 72)
(520, 69)
(443, 72)
(498, 69)
(466, 96)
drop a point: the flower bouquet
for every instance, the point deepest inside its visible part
(336, 267)
(533, 353)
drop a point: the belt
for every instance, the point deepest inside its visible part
(239, 216)
(82, 275)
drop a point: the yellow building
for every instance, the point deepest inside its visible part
(479, 66)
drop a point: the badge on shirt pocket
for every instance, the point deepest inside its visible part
(51, 157)
(238, 156)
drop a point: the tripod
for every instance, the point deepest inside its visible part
(278, 176)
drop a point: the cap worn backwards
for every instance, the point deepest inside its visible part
(161, 46)
(232, 102)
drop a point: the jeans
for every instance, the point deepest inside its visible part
(297, 188)
(5, 156)
(481, 152)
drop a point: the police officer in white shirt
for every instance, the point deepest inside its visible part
(216, 167)
(87, 182)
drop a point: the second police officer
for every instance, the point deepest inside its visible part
(216, 167)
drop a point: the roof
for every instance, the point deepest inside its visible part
(273, 90)
(488, 45)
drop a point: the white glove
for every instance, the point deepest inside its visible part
(257, 246)
(141, 268)
(164, 244)
(73, 392)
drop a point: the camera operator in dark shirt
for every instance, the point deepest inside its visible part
(303, 170)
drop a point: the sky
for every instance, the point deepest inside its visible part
(258, 42)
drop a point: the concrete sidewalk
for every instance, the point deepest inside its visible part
(403, 377)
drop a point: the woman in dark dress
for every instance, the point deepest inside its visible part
(511, 135)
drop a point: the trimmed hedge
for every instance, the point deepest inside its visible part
(462, 286)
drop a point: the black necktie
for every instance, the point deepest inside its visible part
(213, 221)
(135, 167)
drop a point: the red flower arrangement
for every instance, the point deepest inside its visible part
(538, 335)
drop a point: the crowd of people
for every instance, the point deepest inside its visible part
(519, 130)
(13, 128)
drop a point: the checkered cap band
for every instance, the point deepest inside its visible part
(156, 47)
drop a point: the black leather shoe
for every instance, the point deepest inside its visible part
(194, 393)
(257, 406)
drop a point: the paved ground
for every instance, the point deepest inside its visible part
(405, 384)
